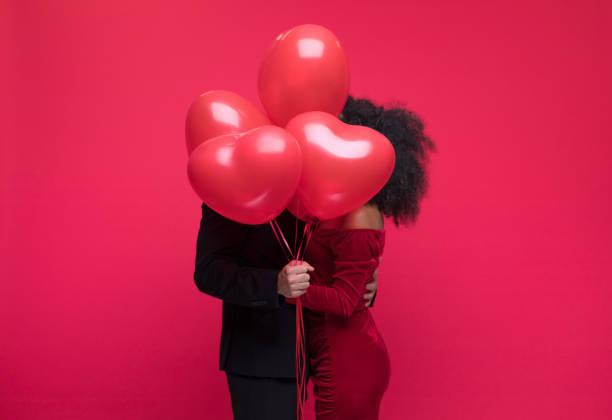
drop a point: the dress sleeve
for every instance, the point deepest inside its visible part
(356, 256)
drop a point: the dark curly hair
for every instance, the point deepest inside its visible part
(400, 197)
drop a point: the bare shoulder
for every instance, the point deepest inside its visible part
(366, 217)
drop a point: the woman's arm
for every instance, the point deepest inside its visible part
(357, 253)
(345, 292)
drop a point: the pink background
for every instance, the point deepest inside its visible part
(495, 306)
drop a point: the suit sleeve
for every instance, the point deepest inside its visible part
(221, 272)
(355, 262)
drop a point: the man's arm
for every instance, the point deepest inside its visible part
(220, 272)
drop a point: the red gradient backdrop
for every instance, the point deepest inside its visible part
(495, 306)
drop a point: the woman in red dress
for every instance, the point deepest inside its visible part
(348, 357)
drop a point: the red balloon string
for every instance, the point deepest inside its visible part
(280, 237)
(300, 249)
(280, 242)
(296, 231)
(299, 358)
(308, 231)
(296, 256)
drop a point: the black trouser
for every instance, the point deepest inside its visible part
(262, 398)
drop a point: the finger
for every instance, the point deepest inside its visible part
(368, 296)
(371, 287)
(293, 264)
(299, 278)
(301, 286)
(308, 266)
(298, 293)
(303, 268)
(297, 269)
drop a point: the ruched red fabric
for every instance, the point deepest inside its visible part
(349, 361)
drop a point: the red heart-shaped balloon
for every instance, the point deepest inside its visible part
(343, 166)
(248, 177)
(218, 112)
(305, 70)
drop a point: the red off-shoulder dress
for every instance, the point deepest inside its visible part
(348, 357)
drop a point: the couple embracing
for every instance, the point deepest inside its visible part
(244, 267)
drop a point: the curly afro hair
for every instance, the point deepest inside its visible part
(400, 197)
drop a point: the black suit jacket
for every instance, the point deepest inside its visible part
(239, 264)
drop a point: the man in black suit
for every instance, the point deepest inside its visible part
(245, 266)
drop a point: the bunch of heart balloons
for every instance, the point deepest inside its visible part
(249, 166)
